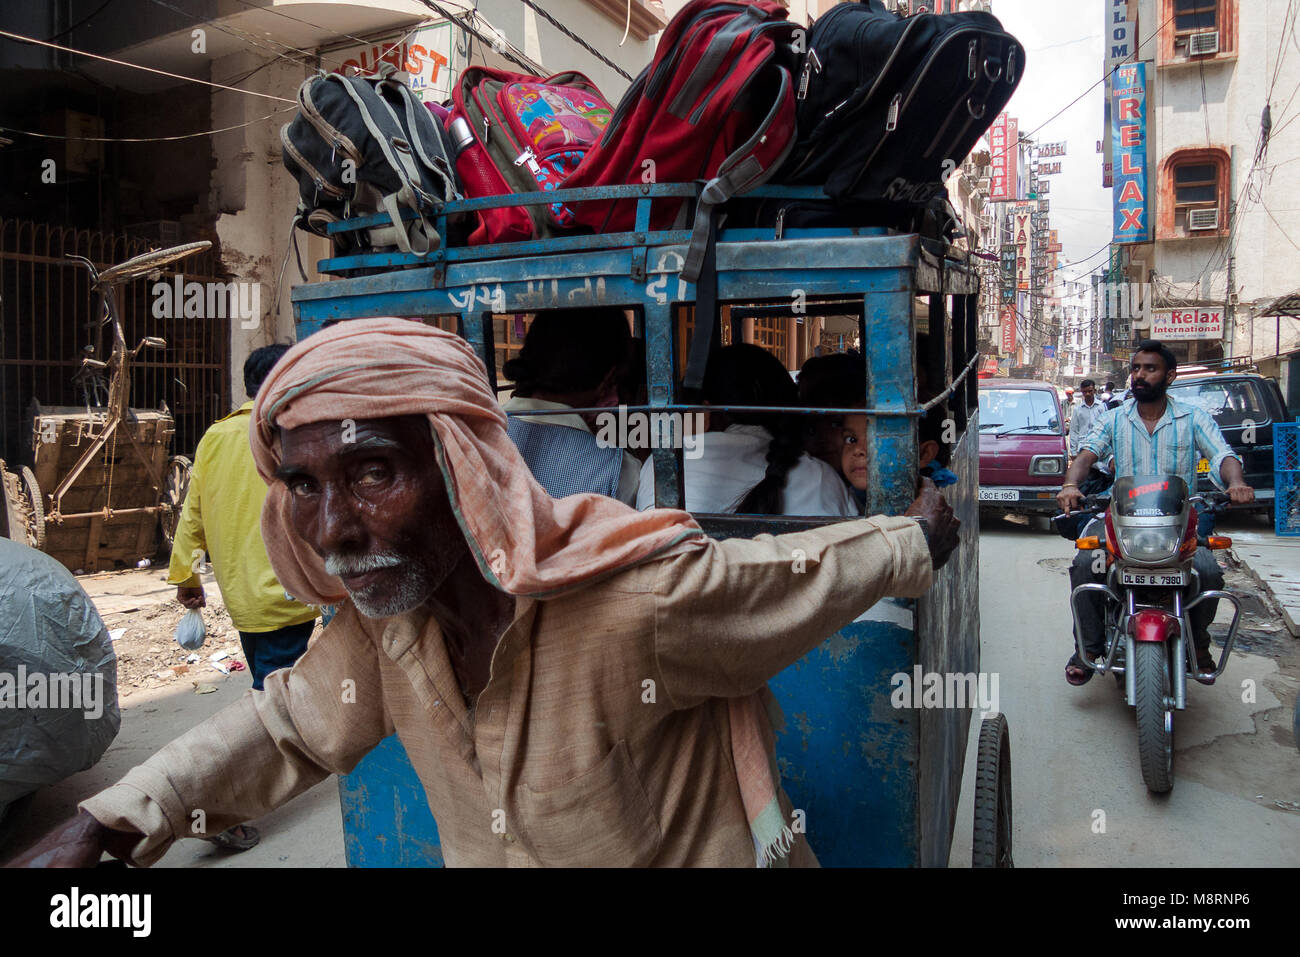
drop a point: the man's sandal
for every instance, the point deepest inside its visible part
(1076, 672)
(241, 837)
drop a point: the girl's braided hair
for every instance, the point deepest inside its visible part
(746, 374)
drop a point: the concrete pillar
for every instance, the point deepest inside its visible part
(255, 198)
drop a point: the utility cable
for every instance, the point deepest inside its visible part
(145, 139)
(84, 20)
(579, 40)
(498, 45)
(136, 66)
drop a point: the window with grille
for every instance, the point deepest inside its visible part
(1194, 30)
(1194, 16)
(1196, 196)
(770, 333)
(508, 338)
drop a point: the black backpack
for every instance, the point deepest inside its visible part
(884, 101)
(360, 145)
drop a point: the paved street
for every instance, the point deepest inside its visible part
(1074, 750)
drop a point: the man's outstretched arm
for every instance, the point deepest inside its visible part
(732, 616)
(319, 717)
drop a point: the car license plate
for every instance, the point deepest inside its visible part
(1203, 467)
(999, 495)
(1153, 577)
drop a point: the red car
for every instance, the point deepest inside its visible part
(1022, 445)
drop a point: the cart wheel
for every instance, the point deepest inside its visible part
(35, 509)
(178, 483)
(12, 513)
(992, 836)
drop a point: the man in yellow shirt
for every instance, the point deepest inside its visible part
(222, 516)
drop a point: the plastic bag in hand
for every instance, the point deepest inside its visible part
(190, 633)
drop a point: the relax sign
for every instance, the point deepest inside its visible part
(1187, 324)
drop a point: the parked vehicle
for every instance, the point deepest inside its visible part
(101, 506)
(1022, 445)
(1149, 542)
(1245, 406)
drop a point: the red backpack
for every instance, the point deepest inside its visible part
(717, 103)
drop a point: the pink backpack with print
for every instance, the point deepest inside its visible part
(515, 133)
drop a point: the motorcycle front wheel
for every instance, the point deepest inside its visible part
(1155, 715)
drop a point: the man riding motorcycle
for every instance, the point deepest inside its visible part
(1151, 433)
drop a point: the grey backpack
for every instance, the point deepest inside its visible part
(365, 144)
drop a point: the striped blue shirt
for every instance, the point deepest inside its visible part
(1184, 434)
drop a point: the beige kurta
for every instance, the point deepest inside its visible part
(601, 738)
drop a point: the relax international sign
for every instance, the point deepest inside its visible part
(1187, 324)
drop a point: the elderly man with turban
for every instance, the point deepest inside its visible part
(575, 682)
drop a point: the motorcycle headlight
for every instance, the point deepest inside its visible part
(1150, 544)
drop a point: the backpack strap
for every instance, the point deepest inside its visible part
(399, 156)
(741, 171)
(439, 165)
(706, 309)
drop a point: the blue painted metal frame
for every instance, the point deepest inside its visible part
(850, 762)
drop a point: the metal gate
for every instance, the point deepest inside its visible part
(48, 316)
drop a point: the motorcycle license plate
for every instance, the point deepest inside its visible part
(999, 495)
(1154, 576)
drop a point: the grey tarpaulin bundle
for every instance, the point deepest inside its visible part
(54, 651)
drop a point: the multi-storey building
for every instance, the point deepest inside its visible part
(200, 158)
(1222, 264)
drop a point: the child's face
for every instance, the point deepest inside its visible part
(853, 459)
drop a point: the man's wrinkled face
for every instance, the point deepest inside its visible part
(369, 498)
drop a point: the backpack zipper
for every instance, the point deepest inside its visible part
(810, 62)
(529, 157)
(896, 114)
(328, 133)
(884, 71)
(321, 182)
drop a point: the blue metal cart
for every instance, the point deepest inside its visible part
(879, 784)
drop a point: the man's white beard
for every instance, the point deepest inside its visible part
(413, 586)
(411, 592)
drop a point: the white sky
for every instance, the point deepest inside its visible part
(1063, 42)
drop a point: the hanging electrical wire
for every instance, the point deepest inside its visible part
(146, 139)
(1130, 58)
(579, 40)
(136, 66)
(500, 45)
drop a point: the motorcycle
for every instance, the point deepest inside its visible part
(1148, 544)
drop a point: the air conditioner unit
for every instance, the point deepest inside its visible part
(1202, 44)
(1200, 219)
